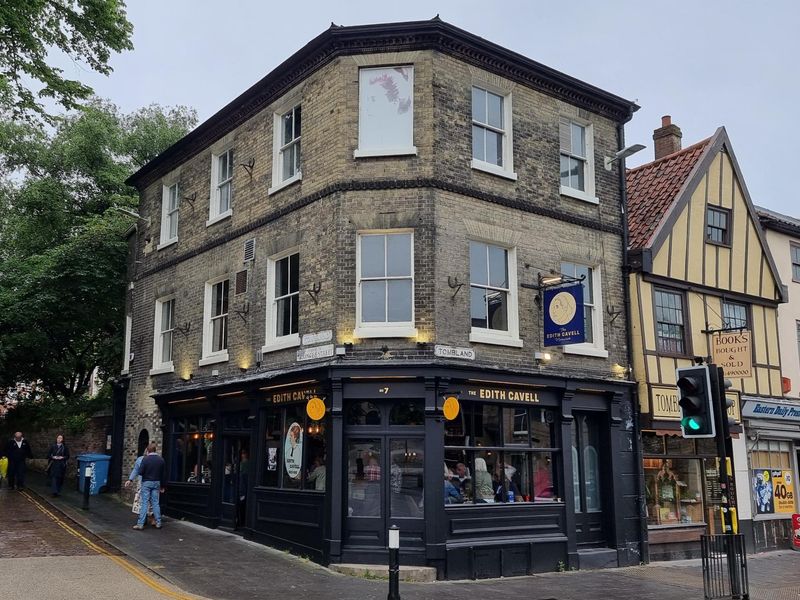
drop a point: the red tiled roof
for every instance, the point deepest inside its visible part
(652, 189)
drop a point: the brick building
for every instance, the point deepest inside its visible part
(368, 225)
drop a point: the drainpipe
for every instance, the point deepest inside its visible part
(626, 300)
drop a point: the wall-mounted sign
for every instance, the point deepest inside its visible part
(297, 395)
(452, 352)
(450, 408)
(309, 339)
(773, 490)
(664, 404)
(733, 351)
(315, 408)
(761, 409)
(315, 352)
(502, 393)
(563, 316)
(293, 450)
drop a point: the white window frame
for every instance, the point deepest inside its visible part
(279, 149)
(589, 194)
(597, 348)
(214, 216)
(166, 213)
(126, 358)
(389, 329)
(482, 335)
(159, 364)
(209, 357)
(361, 151)
(274, 342)
(507, 170)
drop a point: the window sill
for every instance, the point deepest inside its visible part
(125, 372)
(401, 331)
(720, 244)
(220, 217)
(167, 243)
(214, 359)
(481, 337)
(585, 350)
(359, 153)
(162, 369)
(579, 195)
(288, 341)
(285, 183)
(480, 165)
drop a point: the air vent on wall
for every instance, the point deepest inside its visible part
(241, 282)
(250, 250)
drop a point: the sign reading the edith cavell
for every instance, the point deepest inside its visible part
(733, 351)
(563, 316)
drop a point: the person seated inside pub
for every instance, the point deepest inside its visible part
(484, 490)
(510, 492)
(451, 493)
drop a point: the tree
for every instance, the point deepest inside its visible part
(86, 31)
(62, 248)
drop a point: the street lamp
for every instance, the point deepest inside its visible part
(622, 154)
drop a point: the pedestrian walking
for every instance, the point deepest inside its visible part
(137, 498)
(18, 452)
(153, 473)
(57, 458)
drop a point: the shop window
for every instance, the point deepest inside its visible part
(191, 451)
(406, 483)
(363, 413)
(497, 454)
(674, 491)
(295, 451)
(364, 478)
(772, 477)
(407, 413)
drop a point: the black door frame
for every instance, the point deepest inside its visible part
(601, 517)
(238, 519)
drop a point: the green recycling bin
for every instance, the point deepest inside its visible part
(99, 465)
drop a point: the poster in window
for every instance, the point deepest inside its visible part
(272, 459)
(763, 491)
(293, 451)
(783, 491)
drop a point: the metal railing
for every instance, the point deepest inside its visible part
(724, 567)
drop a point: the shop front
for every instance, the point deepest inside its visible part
(526, 475)
(773, 455)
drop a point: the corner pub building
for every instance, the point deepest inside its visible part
(366, 227)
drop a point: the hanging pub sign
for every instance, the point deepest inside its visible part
(563, 316)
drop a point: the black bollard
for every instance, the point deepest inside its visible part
(394, 563)
(87, 484)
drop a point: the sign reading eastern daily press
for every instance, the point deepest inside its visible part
(664, 404)
(733, 351)
(563, 316)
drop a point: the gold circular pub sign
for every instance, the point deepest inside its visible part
(315, 408)
(450, 408)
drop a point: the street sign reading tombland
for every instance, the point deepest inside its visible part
(733, 351)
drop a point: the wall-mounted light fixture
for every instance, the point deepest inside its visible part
(542, 357)
(188, 377)
(621, 155)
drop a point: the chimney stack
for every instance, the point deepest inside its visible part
(667, 138)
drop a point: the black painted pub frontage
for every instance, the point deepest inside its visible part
(533, 474)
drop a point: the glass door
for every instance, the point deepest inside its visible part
(588, 471)
(235, 480)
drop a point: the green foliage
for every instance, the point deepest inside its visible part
(62, 250)
(46, 412)
(85, 31)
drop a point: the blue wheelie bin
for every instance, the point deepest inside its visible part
(99, 464)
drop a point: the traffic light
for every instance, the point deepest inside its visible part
(694, 391)
(725, 403)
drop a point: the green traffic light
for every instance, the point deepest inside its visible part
(692, 423)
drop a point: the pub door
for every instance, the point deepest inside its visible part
(234, 480)
(384, 460)
(589, 466)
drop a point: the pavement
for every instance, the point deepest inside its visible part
(223, 566)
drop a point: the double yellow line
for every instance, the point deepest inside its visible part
(138, 573)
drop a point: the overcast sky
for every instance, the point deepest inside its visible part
(705, 62)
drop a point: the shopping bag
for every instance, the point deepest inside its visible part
(3, 467)
(137, 502)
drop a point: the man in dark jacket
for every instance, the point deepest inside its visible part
(18, 452)
(153, 474)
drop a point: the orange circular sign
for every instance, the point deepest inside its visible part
(451, 408)
(315, 408)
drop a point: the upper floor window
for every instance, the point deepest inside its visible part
(286, 151)
(385, 299)
(795, 250)
(283, 301)
(163, 336)
(491, 132)
(493, 302)
(577, 162)
(670, 327)
(215, 319)
(592, 310)
(169, 214)
(717, 226)
(386, 111)
(734, 315)
(221, 186)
